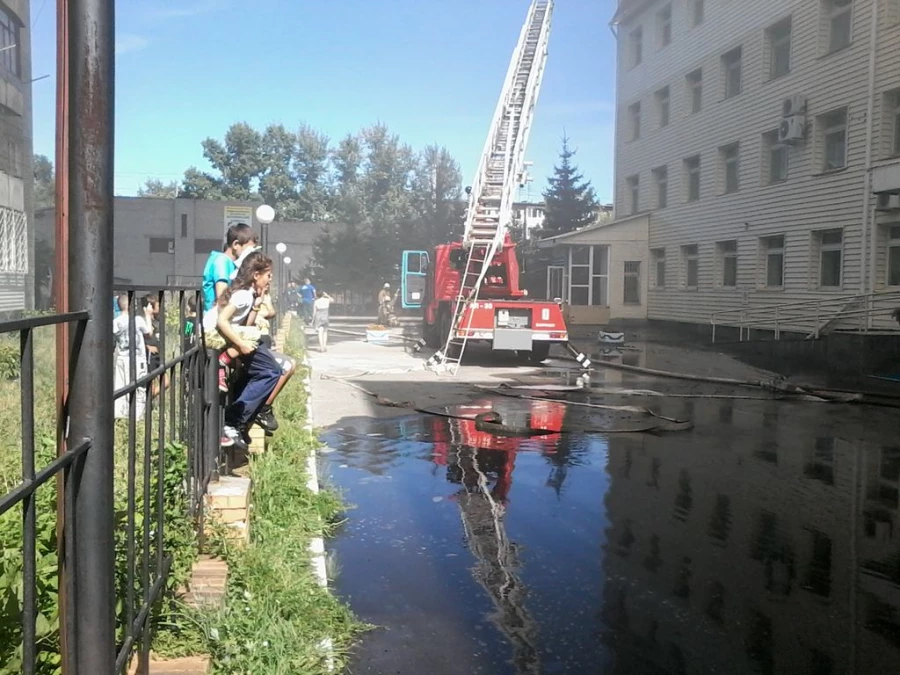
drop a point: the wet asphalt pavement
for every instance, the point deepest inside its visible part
(764, 540)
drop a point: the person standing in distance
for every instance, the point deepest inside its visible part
(307, 298)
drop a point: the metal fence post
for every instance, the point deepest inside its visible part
(90, 165)
(212, 417)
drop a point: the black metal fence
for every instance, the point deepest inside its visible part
(167, 411)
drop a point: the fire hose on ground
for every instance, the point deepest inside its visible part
(493, 422)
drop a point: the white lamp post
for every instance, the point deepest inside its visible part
(281, 248)
(287, 267)
(265, 214)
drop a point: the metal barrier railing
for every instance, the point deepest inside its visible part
(182, 386)
(170, 406)
(24, 493)
(863, 313)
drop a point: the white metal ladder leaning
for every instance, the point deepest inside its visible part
(500, 172)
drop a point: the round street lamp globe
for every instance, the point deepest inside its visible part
(265, 214)
(287, 260)
(280, 247)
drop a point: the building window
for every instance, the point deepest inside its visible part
(662, 106)
(692, 178)
(778, 39)
(731, 70)
(184, 225)
(14, 235)
(775, 159)
(589, 274)
(697, 10)
(730, 157)
(727, 254)
(830, 247)
(634, 193)
(658, 255)
(838, 18)
(600, 276)
(834, 139)
(694, 82)
(661, 178)
(204, 246)
(162, 245)
(664, 19)
(773, 261)
(580, 275)
(632, 295)
(892, 121)
(634, 117)
(637, 46)
(10, 52)
(691, 261)
(893, 260)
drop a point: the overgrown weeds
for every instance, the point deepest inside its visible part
(277, 617)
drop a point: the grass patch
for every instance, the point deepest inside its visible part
(276, 614)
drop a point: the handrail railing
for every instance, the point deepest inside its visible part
(171, 414)
(865, 312)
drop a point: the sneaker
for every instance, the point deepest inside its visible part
(266, 419)
(223, 378)
(226, 442)
(237, 438)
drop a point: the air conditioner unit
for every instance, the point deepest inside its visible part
(172, 247)
(888, 202)
(792, 129)
(793, 105)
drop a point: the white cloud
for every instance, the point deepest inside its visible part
(130, 42)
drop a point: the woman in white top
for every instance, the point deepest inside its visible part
(320, 318)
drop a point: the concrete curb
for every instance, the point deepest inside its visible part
(317, 545)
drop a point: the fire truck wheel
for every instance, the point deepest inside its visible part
(539, 351)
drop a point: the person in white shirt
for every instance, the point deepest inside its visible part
(320, 318)
(126, 344)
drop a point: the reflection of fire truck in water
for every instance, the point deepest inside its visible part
(496, 454)
(474, 458)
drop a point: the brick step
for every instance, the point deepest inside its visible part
(206, 588)
(191, 665)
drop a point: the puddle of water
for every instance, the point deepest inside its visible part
(764, 541)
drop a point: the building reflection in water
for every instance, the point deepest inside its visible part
(760, 550)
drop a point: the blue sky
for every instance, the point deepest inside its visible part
(430, 69)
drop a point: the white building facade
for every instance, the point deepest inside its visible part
(750, 133)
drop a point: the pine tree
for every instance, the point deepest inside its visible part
(570, 200)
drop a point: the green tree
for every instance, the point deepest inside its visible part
(239, 162)
(44, 182)
(570, 200)
(153, 187)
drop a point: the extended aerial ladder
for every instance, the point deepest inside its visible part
(500, 172)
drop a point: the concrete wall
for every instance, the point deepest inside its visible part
(809, 200)
(159, 241)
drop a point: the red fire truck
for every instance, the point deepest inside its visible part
(503, 315)
(470, 289)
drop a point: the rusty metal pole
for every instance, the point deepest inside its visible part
(90, 402)
(61, 301)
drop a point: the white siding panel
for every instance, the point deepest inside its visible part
(807, 201)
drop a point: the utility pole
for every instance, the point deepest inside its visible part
(91, 77)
